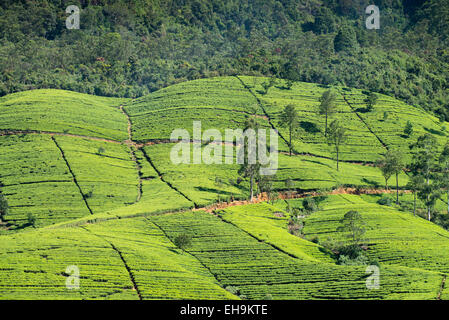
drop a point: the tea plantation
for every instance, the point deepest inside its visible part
(90, 183)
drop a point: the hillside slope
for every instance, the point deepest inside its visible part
(102, 184)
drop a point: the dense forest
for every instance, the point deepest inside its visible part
(130, 49)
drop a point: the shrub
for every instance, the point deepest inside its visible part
(331, 244)
(31, 219)
(408, 130)
(385, 200)
(315, 239)
(351, 251)
(347, 261)
(182, 241)
(309, 204)
(100, 151)
(4, 208)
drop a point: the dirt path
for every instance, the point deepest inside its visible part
(293, 195)
(4, 132)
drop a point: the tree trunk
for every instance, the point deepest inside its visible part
(325, 128)
(428, 198)
(397, 188)
(414, 203)
(337, 159)
(290, 143)
(251, 187)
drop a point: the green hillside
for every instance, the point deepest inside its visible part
(89, 182)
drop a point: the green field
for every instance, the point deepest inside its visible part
(105, 196)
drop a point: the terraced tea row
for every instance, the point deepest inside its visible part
(219, 103)
(112, 257)
(257, 269)
(63, 111)
(36, 180)
(393, 237)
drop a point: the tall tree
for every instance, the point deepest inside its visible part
(353, 223)
(415, 184)
(327, 106)
(444, 171)
(392, 163)
(424, 163)
(408, 130)
(345, 40)
(370, 101)
(386, 166)
(337, 136)
(248, 169)
(4, 208)
(289, 120)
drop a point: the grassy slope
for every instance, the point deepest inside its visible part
(114, 181)
(35, 264)
(393, 237)
(362, 144)
(63, 111)
(258, 269)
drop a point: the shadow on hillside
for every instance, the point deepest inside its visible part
(320, 163)
(433, 131)
(16, 227)
(362, 110)
(309, 127)
(370, 182)
(213, 190)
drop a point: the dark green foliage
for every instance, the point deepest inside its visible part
(31, 219)
(247, 169)
(289, 120)
(352, 251)
(101, 150)
(182, 241)
(4, 208)
(345, 40)
(324, 21)
(309, 204)
(385, 200)
(408, 130)
(392, 164)
(327, 106)
(337, 136)
(353, 224)
(371, 101)
(424, 164)
(128, 49)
